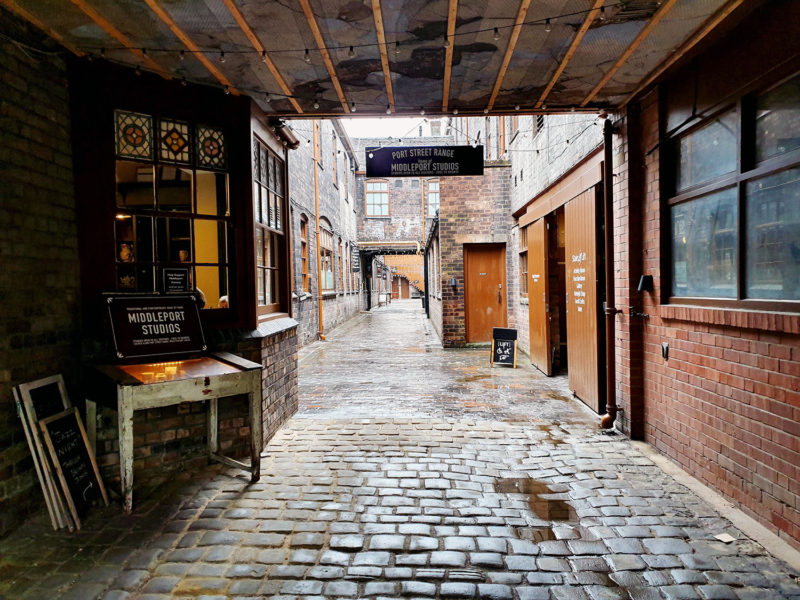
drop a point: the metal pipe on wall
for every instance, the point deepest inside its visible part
(607, 420)
(316, 212)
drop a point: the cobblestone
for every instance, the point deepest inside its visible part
(392, 480)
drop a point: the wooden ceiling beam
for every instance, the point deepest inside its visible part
(452, 13)
(15, 8)
(190, 45)
(593, 12)
(681, 51)
(106, 26)
(251, 35)
(512, 42)
(377, 13)
(660, 13)
(323, 50)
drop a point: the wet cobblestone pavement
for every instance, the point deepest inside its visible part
(411, 471)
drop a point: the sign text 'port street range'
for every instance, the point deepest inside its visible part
(424, 161)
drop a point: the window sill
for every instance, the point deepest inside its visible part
(377, 216)
(729, 317)
(329, 294)
(301, 296)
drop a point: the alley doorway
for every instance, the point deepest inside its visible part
(485, 290)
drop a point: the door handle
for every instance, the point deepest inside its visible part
(499, 297)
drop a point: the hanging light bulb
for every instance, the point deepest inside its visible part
(267, 98)
(183, 81)
(182, 56)
(455, 111)
(486, 111)
(516, 107)
(352, 107)
(227, 90)
(144, 51)
(222, 56)
(102, 52)
(307, 56)
(422, 112)
(351, 53)
(388, 109)
(446, 43)
(547, 27)
(316, 104)
(397, 48)
(496, 35)
(602, 13)
(138, 71)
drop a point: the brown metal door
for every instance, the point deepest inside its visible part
(538, 297)
(580, 215)
(485, 290)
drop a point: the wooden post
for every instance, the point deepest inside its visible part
(256, 432)
(125, 421)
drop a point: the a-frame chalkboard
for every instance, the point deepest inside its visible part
(75, 464)
(504, 347)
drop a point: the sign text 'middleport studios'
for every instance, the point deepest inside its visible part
(424, 161)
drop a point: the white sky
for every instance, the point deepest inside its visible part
(385, 127)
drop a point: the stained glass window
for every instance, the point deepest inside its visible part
(210, 147)
(133, 135)
(174, 141)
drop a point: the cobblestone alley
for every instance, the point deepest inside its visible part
(411, 471)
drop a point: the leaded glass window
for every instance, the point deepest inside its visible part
(174, 141)
(211, 147)
(133, 135)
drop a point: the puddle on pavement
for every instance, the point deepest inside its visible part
(474, 378)
(547, 509)
(548, 431)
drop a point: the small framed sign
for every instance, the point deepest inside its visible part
(355, 260)
(175, 280)
(148, 326)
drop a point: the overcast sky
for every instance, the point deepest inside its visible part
(385, 127)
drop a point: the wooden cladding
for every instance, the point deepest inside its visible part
(583, 336)
(539, 296)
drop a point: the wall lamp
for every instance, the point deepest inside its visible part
(453, 282)
(646, 283)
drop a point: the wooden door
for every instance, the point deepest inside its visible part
(583, 341)
(395, 287)
(404, 293)
(539, 297)
(484, 290)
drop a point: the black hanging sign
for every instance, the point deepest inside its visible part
(355, 262)
(504, 346)
(74, 462)
(147, 326)
(424, 161)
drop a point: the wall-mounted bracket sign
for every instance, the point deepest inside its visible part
(424, 161)
(148, 326)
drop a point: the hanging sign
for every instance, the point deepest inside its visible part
(424, 161)
(145, 326)
(355, 261)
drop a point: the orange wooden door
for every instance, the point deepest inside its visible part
(580, 215)
(485, 290)
(404, 293)
(538, 297)
(395, 287)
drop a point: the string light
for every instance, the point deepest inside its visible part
(397, 48)
(547, 27)
(222, 56)
(455, 111)
(446, 43)
(227, 90)
(422, 111)
(516, 107)
(182, 56)
(183, 81)
(496, 35)
(267, 98)
(388, 109)
(352, 107)
(351, 53)
(486, 111)
(307, 56)
(316, 104)
(102, 52)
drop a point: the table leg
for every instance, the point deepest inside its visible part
(256, 434)
(91, 424)
(125, 416)
(213, 426)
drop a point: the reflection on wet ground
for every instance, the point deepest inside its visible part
(541, 498)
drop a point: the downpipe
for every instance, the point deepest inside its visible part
(607, 420)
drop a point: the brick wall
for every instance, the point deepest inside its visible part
(726, 404)
(39, 280)
(336, 204)
(473, 210)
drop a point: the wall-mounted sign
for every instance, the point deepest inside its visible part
(355, 261)
(144, 326)
(176, 280)
(424, 161)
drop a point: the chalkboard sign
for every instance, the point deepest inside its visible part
(74, 462)
(504, 346)
(47, 400)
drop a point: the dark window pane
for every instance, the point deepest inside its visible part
(135, 187)
(704, 238)
(173, 240)
(773, 236)
(778, 120)
(174, 189)
(707, 152)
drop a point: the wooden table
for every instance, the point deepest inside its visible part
(128, 388)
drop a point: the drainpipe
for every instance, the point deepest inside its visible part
(425, 283)
(607, 420)
(316, 211)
